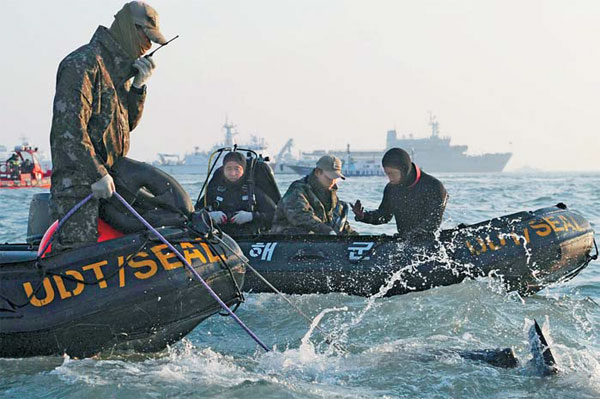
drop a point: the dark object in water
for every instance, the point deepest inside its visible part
(504, 358)
(528, 250)
(543, 359)
(126, 293)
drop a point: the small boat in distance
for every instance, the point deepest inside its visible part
(23, 169)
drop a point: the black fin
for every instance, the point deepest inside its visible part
(504, 358)
(541, 350)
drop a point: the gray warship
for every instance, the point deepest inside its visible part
(433, 154)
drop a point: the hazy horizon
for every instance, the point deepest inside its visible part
(499, 75)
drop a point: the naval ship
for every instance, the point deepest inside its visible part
(197, 161)
(433, 154)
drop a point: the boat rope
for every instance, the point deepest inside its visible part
(211, 167)
(62, 222)
(328, 338)
(38, 264)
(192, 270)
(594, 257)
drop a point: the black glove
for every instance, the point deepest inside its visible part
(358, 210)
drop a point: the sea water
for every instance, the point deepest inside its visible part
(400, 347)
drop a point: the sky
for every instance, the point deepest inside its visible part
(519, 76)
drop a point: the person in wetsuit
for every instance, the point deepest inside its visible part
(234, 202)
(416, 199)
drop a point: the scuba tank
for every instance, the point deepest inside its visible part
(340, 217)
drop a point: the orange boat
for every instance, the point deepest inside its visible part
(23, 170)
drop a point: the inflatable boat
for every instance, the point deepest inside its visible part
(129, 292)
(526, 250)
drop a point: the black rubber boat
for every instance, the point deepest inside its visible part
(126, 293)
(528, 250)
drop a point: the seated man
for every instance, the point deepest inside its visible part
(235, 203)
(416, 199)
(311, 205)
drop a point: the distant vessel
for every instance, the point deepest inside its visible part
(196, 162)
(23, 169)
(433, 154)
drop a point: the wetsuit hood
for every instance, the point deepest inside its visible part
(236, 157)
(399, 159)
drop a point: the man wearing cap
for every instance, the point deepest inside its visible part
(414, 198)
(95, 108)
(311, 205)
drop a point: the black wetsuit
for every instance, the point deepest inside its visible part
(418, 208)
(229, 198)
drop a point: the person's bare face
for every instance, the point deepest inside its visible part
(325, 180)
(233, 171)
(394, 175)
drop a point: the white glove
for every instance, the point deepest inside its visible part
(218, 217)
(332, 233)
(104, 188)
(145, 67)
(241, 217)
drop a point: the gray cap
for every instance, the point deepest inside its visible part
(147, 17)
(332, 166)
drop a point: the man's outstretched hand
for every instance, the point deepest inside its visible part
(358, 210)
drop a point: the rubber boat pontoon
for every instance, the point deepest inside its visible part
(130, 292)
(528, 250)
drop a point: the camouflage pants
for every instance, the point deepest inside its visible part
(82, 227)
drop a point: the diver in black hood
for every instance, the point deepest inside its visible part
(416, 199)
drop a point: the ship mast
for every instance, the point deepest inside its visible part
(229, 133)
(435, 126)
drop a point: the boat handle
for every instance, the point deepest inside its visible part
(304, 255)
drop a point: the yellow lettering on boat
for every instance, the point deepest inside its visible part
(471, 249)
(482, 244)
(33, 298)
(490, 244)
(77, 276)
(579, 228)
(193, 254)
(97, 268)
(566, 223)
(526, 235)
(545, 228)
(554, 224)
(147, 263)
(164, 258)
(211, 257)
(62, 290)
(502, 240)
(515, 238)
(121, 272)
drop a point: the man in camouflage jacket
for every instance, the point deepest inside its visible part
(95, 108)
(311, 205)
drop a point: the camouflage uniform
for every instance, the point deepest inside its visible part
(308, 208)
(94, 111)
